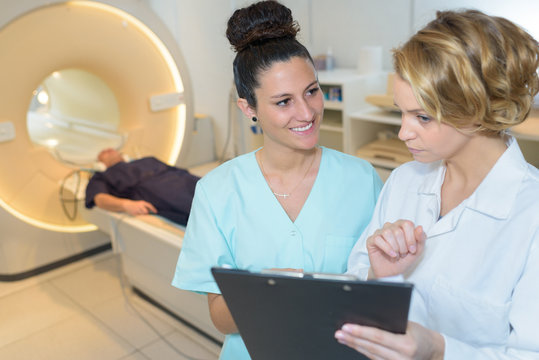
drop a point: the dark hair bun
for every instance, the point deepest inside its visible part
(259, 22)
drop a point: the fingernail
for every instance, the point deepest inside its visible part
(412, 249)
(339, 335)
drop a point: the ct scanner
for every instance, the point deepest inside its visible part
(78, 76)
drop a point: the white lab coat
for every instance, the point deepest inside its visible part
(477, 282)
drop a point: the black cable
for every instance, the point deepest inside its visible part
(75, 200)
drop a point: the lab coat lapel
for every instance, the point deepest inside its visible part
(428, 211)
(497, 193)
(494, 197)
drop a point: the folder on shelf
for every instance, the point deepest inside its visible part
(384, 101)
(388, 153)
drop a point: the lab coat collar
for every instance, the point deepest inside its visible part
(496, 194)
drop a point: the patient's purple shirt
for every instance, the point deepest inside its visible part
(169, 189)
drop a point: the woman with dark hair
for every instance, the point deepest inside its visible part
(461, 222)
(289, 204)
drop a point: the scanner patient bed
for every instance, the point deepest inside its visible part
(149, 246)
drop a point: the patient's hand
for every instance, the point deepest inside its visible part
(138, 207)
(132, 207)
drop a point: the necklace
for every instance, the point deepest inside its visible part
(303, 178)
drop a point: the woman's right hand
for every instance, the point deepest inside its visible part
(394, 248)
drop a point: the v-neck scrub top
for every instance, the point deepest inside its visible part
(237, 221)
(477, 282)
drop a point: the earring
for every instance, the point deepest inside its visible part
(254, 119)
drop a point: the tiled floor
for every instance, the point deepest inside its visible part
(80, 312)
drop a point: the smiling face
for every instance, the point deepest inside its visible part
(290, 104)
(427, 139)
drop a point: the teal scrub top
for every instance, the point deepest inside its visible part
(237, 221)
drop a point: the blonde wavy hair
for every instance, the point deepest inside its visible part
(470, 70)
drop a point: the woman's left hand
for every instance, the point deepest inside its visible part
(418, 342)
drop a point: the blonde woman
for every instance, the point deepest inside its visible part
(461, 222)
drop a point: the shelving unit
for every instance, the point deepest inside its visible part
(353, 88)
(367, 123)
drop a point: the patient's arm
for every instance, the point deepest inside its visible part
(132, 207)
(220, 315)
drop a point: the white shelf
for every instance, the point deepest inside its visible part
(333, 105)
(382, 163)
(378, 116)
(342, 76)
(331, 127)
(352, 88)
(365, 126)
(367, 123)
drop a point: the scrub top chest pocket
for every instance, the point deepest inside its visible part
(336, 251)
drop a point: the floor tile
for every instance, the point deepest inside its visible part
(178, 326)
(93, 284)
(209, 350)
(192, 345)
(135, 356)
(133, 322)
(80, 337)
(33, 309)
(177, 346)
(80, 312)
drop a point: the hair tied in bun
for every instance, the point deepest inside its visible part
(260, 22)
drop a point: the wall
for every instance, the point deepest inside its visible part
(199, 26)
(344, 25)
(523, 12)
(347, 25)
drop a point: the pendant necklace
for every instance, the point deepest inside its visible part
(284, 196)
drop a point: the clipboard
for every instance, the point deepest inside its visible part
(290, 316)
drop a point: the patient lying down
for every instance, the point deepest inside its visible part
(142, 186)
